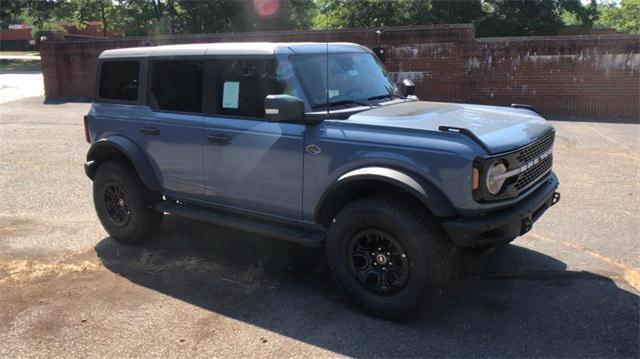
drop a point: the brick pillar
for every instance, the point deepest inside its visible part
(49, 56)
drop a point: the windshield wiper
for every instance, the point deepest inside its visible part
(383, 96)
(343, 102)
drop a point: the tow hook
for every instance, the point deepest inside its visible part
(527, 224)
(556, 198)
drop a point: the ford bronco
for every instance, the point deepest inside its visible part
(314, 143)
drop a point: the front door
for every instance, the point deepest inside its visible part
(249, 163)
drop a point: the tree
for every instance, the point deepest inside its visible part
(341, 14)
(146, 17)
(528, 17)
(624, 17)
(288, 15)
(38, 12)
(491, 17)
(211, 16)
(457, 12)
(208, 16)
(82, 11)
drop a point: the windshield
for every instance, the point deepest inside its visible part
(353, 78)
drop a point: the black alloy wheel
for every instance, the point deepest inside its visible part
(117, 204)
(378, 261)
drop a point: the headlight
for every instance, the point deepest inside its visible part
(494, 181)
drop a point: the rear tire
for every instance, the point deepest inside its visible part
(125, 206)
(385, 228)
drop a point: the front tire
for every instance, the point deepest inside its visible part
(388, 254)
(125, 206)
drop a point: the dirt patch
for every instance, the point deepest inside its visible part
(25, 270)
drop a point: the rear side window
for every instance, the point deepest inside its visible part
(242, 85)
(119, 80)
(176, 86)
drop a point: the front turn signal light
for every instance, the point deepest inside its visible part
(475, 179)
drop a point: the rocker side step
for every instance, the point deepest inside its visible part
(302, 236)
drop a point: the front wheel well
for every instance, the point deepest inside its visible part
(351, 191)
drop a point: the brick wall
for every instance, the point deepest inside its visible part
(595, 75)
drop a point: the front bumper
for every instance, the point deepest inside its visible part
(90, 168)
(506, 224)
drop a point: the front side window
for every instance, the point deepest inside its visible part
(176, 86)
(342, 78)
(119, 80)
(243, 84)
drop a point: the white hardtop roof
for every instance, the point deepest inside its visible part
(231, 48)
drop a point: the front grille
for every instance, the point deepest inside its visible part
(537, 169)
(527, 166)
(532, 174)
(537, 148)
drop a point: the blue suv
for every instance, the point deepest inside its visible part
(314, 143)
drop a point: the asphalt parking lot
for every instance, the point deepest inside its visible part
(569, 288)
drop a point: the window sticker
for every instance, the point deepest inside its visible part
(230, 93)
(353, 72)
(334, 93)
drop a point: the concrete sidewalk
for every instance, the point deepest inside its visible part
(19, 55)
(18, 85)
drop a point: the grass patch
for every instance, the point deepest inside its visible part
(9, 65)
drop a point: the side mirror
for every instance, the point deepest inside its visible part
(283, 108)
(409, 87)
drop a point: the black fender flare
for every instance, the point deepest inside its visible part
(130, 150)
(426, 193)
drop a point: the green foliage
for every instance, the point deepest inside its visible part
(624, 17)
(208, 17)
(490, 17)
(235, 16)
(341, 14)
(457, 12)
(141, 17)
(38, 13)
(520, 18)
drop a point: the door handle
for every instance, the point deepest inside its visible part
(219, 139)
(151, 131)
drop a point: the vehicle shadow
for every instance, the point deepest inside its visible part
(64, 100)
(510, 302)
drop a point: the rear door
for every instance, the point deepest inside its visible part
(170, 127)
(120, 94)
(249, 163)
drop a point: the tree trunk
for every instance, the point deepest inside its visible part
(172, 13)
(104, 19)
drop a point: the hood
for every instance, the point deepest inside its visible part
(501, 129)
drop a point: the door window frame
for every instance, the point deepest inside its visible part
(206, 74)
(210, 82)
(212, 111)
(142, 81)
